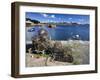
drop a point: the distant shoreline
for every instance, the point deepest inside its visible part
(30, 23)
(33, 22)
(54, 24)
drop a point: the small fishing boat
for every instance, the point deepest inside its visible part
(76, 37)
(31, 30)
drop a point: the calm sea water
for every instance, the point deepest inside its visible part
(80, 32)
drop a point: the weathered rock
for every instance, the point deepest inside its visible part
(41, 40)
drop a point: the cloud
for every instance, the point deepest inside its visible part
(44, 15)
(48, 16)
(70, 18)
(52, 16)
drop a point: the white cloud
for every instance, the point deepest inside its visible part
(70, 18)
(48, 16)
(44, 15)
(52, 16)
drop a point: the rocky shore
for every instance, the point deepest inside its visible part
(79, 51)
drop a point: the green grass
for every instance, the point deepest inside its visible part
(41, 55)
(44, 55)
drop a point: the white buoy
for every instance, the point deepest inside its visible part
(77, 35)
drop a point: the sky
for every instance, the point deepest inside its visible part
(52, 17)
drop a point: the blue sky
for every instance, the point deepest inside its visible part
(52, 17)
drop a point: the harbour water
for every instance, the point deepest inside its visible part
(61, 32)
